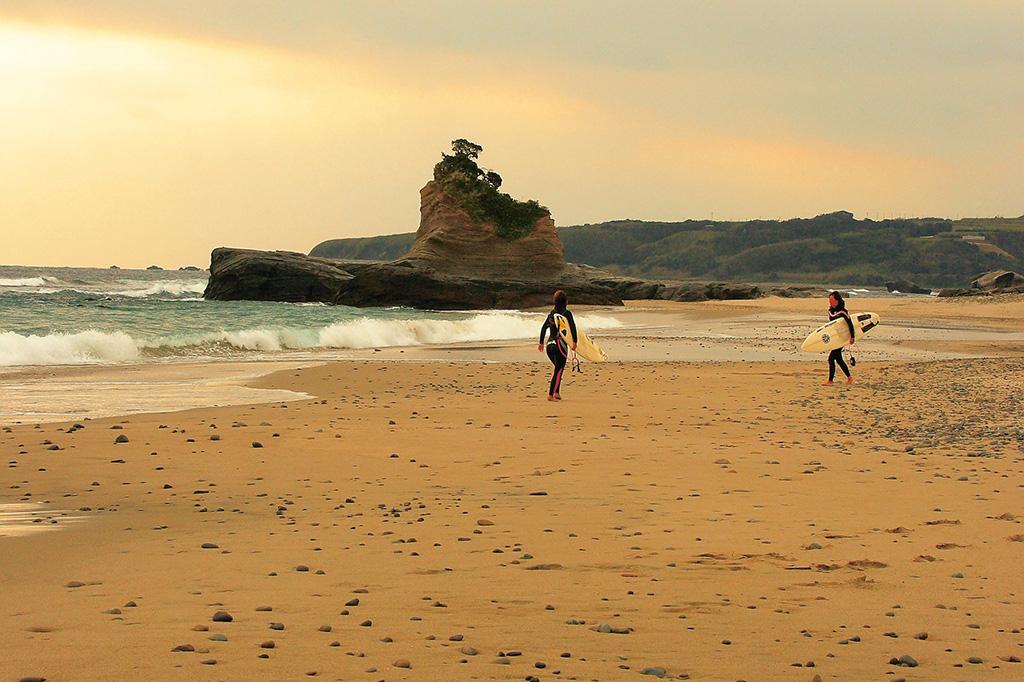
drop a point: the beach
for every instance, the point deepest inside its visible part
(699, 509)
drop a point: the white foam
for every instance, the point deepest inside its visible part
(364, 332)
(58, 349)
(166, 287)
(368, 332)
(27, 281)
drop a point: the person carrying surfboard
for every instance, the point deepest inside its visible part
(837, 309)
(557, 347)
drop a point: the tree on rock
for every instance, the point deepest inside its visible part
(476, 189)
(463, 147)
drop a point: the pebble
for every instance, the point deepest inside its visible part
(222, 617)
(905, 660)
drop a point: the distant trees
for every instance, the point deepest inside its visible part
(825, 248)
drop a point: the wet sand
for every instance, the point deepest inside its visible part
(434, 520)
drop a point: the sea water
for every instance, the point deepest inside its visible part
(73, 316)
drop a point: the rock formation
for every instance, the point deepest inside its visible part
(242, 274)
(451, 240)
(998, 279)
(476, 248)
(995, 282)
(246, 275)
(905, 286)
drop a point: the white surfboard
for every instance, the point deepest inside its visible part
(585, 348)
(836, 333)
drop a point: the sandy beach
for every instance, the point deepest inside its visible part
(703, 509)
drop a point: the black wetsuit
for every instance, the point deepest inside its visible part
(556, 348)
(836, 356)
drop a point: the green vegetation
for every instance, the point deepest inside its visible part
(476, 189)
(830, 249)
(385, 247)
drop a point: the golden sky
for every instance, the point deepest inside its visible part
(151, 131)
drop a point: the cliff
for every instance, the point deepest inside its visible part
(452, 240)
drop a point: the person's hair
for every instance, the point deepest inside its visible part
(560, 300)
(839, 298)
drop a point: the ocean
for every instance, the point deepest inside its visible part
(82, 316)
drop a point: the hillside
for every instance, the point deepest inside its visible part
(833, 247)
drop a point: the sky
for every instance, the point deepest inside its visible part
(152, 131)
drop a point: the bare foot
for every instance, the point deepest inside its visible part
(558, 396)
(826, 383)
(551, 398)
(849, 380)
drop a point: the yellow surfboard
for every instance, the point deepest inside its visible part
(585, 348)
(836, 334)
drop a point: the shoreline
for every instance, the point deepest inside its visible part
(913, 330)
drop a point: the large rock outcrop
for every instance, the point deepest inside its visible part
(998, 279)
(449, 239)
(457, 262)
(243, 274)
(247, 275)
(995, 282)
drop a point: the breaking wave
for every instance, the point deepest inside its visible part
(112, 347)
(160, 288)
(27, 281)
(170, 289)
(67, 349)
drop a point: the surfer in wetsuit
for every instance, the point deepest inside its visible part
(837, 309)
(557, 350)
